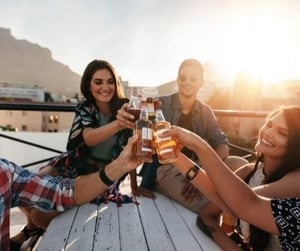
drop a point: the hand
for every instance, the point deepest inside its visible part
(124, 118)
(140, 191)
(127, 158)
(182, 136)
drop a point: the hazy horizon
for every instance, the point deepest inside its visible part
(147, 40)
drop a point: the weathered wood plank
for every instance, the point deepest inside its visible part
(57, 233)
(107, 235)
(82, 232)
(131, 231)
(190, 219)
(177, 228)
(155, 231)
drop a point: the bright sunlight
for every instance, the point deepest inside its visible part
(259, 44)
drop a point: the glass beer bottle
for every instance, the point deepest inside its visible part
(165, 146)
(143, 127)
(150, 94)
(229, 223)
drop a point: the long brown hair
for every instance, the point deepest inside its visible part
(95, 65)
(259, 239)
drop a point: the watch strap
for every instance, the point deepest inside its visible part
(102, 175)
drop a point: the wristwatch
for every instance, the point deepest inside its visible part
(191, 174)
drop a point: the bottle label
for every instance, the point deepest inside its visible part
(146, 133)
(150, 107)
(146, 149)
(166, 150)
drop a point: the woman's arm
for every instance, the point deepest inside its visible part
(183, 164)
(85, 128)
(286, 187)
(238, 196)
(94, 136)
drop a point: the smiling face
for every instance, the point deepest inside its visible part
(102, 86)
(273, 137)
(190, 78)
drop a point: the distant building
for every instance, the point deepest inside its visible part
(21, 120)
(17, 91)
(33, 121)
(57, 121)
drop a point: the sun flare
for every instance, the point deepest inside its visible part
(260, 45)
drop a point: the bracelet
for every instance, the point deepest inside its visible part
(102, 175)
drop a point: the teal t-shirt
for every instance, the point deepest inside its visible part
(104, 150)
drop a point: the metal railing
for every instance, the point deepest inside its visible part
(70, 107)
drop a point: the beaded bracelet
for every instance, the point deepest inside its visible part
(102, 175)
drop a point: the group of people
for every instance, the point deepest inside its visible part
(100, 153)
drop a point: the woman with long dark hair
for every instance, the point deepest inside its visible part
(99, 131)
(278, 163)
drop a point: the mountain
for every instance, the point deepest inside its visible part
(24, 62)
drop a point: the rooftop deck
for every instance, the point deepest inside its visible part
(160, 224)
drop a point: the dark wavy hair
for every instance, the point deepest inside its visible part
(258, 238)
(117, 100)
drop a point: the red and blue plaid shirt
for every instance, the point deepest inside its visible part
(20, 187)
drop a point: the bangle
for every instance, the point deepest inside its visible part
(102, 175)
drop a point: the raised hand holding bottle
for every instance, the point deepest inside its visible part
(143, 127)
(165, 146)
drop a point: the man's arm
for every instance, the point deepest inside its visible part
(90, 186)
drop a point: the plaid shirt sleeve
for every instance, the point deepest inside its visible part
(45, 193)
(20, 187)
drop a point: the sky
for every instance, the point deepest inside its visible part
(146, 40)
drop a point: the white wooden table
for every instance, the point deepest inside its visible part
(159, 224)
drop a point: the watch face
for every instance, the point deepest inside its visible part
(192, 172)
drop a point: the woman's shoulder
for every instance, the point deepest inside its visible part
(294, 173)
(86, 106)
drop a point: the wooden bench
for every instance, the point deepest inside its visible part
(159, 224)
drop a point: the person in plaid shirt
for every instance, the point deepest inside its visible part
(20, 187)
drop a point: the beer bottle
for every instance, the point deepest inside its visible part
(150, 107)
(165, 146)
(228, 223)
(143, 127)
(150, 94)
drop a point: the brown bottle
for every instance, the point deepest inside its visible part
(143, 127)
(229, 223)
(150, 94)
(165, 147)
